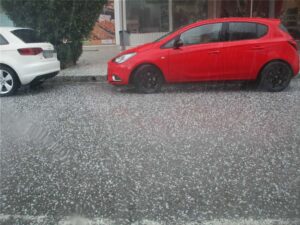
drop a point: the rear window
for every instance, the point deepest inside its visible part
(246, 31)
(3, 41)
(28, 36)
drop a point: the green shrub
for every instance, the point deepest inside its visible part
(57, 20)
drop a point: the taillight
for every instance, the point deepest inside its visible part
(30, 51)
(294, 44)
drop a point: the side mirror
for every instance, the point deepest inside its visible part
(178, 43)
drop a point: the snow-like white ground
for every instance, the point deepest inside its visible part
(43, 220)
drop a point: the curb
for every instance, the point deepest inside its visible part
(90, 78)
(59, 79)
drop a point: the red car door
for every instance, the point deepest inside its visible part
(200, 57)
(242, 49)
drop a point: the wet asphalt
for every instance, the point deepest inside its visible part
(191, 152)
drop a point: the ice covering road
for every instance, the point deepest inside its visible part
(192, 153)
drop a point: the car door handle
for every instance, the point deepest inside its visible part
(214, 52)
(258, 48)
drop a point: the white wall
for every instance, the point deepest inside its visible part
(117, 6)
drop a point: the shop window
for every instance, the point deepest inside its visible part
(147, 16)
(202, 34)
(233, 8)
(261, 8)
(188, 11)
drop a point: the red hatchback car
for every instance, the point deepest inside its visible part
(212, 50)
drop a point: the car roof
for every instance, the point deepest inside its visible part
(2, 29)
(240, 19)
(265, 21)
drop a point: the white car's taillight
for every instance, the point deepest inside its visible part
(30, 51)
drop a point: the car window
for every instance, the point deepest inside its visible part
(242, 31)
(202, 34)
(262, 30)
(170, 44)
(28, 36)
(238, 31)
(166, 35)
(3, 41)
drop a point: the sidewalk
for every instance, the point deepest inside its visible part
(93, 62)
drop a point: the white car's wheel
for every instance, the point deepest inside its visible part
(8, 81)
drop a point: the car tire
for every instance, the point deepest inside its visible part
(276, 76)
(9, 82)
(148, 79)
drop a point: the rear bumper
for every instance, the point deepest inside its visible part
(43, 77)
(33, 71)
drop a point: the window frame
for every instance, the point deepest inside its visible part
(227, 35)
(221, 37)
(4, 39)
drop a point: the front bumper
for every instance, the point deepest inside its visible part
(118, 74)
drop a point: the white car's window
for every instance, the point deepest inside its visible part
(3, 41)
(27, 36)
(202, 34)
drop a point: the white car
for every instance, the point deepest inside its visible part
(24, 59)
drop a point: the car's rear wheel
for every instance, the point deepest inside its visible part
(276, 76)
(9, 82)
(148, 79)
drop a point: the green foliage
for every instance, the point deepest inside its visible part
(57, 20)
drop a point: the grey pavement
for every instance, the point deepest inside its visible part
(93, 61)
(202, 154)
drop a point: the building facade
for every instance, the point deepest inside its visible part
(146, 20)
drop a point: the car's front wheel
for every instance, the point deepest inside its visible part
(276, 76)
(148, 79)
(8, 81)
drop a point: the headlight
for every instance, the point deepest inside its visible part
(124, 58)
